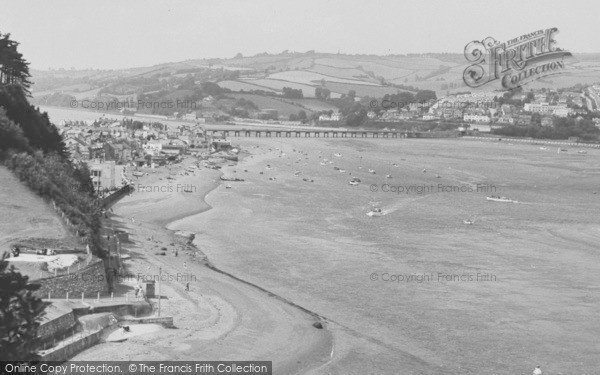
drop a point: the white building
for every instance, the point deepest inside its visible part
(190, 116)
(477, 118)
(545, 108)
(152, 148)
(106, 175)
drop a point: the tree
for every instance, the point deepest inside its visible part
(20, 314)
(424, 96)
(302, 115)
(291, 93)
(13, 68)
(319, 92)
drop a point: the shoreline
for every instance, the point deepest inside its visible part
(306, 356)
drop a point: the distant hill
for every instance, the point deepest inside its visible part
(267, 75)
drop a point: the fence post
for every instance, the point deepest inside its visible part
(82, 296)
(127, 297)
(111, 296)
(98, 300)
(49, 294)
(67, 296)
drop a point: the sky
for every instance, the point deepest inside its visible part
(124, 34)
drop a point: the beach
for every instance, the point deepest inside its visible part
(415, 289)
(219, 317)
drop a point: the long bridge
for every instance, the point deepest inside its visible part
(312, 133)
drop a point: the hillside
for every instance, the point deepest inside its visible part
(366, 74)
(32, 149)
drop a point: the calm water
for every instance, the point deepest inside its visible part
(515, 288)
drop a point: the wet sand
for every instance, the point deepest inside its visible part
(311, 243)
(220, 318)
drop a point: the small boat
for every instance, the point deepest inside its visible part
(372, 171)
(342, 171)
(376, 211)
(468, 222)
(227, 186)
(582, 152)
(388, 176)
(337, 155)
(138, 174)
(353, 183)
(500, 199)
(543, 148)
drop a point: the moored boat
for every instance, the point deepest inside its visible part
(500, 199)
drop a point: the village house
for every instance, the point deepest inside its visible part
(547, 121)
(152, 148)
(106, 174)
(476, 118)
(509, 120)
(119, 152)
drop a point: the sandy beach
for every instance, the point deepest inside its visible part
(219, 318)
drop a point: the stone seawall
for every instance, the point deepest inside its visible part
(165, 321)
(89, 280)
(57, 328)
(68, 350)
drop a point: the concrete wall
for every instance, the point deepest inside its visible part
(122, 309)
(67, 351)
(165, 321)
(90, 280)
(57, 326)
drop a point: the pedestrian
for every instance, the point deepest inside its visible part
(187, 287)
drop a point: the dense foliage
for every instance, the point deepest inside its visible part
(32, 148)
(20, 314)
(562, 128)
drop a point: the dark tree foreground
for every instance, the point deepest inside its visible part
(20, 314)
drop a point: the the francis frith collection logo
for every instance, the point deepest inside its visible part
(516, 62)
